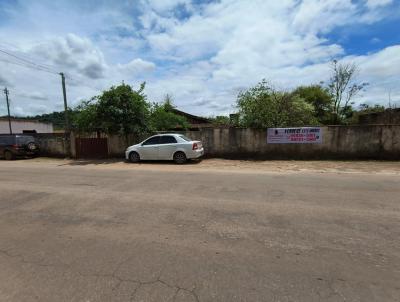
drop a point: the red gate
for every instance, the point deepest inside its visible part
(91, 147)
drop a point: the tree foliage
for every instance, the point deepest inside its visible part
(163, 118)
(262, 106)
(320, 98)
(343, 87)
(364, 109)
(86, 118)
(121, 109)
(220, 120)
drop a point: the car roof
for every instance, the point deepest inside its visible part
(163, 134)
(15, 135)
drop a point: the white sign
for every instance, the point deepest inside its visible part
(302, 135)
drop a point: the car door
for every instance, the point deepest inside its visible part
(5, 142)
(2, 144)
(167, 147)
(149, 148)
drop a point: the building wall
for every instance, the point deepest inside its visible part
(19, 125)
(345, 142)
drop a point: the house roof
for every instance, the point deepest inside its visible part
(198, 119)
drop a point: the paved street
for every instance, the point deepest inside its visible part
(76, 231)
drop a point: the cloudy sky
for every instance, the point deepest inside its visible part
(201, 51)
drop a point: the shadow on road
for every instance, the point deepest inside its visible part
(108, 161)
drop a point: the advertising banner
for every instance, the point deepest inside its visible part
(301, 135)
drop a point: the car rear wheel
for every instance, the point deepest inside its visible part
(134, 157)
(180, 157)
(8, 155)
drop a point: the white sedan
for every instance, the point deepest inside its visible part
(176, 147)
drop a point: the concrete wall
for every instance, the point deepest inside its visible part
(18, 126)
(375, 142)
(51, 144)
(344, 142)
(118, 144)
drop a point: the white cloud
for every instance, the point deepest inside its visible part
(203, 60)
(34, 95)
(383, 64)
(73, 53)
(4, 81)
(322, 16)
(164, 6)
(376, 3)
(137, 66)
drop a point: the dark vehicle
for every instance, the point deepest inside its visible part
(18, 145)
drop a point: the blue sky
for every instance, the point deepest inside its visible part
(201, 52)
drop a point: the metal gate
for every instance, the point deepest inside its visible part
(91, 147)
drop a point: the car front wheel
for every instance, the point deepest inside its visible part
(180, 157)
(32, 146)
(134, 157)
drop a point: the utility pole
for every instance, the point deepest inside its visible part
(8, 108)
(67, 126)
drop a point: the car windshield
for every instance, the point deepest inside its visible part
(185, 138)
(25, 139)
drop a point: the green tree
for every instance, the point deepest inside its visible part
(163, 118)
(86, 118)
(343, 87)
(119, 110)
(320, 98)
(364, 109)
(221, 120)
(262, 106)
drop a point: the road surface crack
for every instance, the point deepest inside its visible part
(113, 275)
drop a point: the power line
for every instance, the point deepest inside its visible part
(41, 67)
(16, 49)
(28, 62)
(27, 66)
(78, 82)
(25, 60)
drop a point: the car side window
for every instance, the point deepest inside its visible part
(168, 140)
(6, 140)
(152, 141)
(24, 139)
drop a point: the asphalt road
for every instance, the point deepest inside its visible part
(93, 233)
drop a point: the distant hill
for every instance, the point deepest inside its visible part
(56, 118)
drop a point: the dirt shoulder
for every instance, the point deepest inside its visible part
(224, 165)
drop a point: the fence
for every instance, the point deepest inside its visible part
(51, 144)
(344, 142)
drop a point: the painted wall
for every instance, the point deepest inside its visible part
(363, 142)
(344, 142)
(19, 125)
